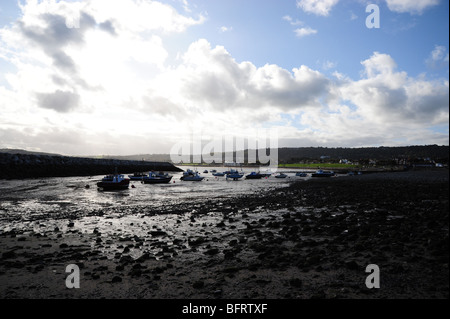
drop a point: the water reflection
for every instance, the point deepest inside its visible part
(50, 197)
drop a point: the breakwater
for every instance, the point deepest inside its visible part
(16, 166)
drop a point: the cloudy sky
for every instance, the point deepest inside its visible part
(138, 76)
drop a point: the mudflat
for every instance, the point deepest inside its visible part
(313, 239)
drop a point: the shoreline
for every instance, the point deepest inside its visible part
(310, 240)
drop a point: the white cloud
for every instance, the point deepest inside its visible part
(291, 21)
(318, 7)
(211, 78)
(387, 96)
(411, 6)
(438, 57)
(107, 87)
(303, 32)
(225, 29)
(327, 65)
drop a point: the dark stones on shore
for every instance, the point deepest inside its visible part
(198, 284)
(317, 237)
(116, 279)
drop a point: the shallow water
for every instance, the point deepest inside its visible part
(66, 197)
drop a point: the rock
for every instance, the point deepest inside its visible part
(157, 233)
(319, 295)
(212, 251)
(143, 257)
(63, 245)
(71, 224)
(198, 284)
(8, 254)
(95, 276)
(229, 254)
(197, 241)
(126, 259)
(233, 242)
(230, 270)
(352, 265)
(120, 267)
(295, 282)
(158, 270)
(135, 272)
(116, 279)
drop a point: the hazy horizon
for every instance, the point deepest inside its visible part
(202, 153)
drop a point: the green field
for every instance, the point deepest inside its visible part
(321, 165)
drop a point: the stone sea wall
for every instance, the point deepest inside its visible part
(17, 166)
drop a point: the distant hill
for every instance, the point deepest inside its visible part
(293, 155)
(377, 153)
(138, 157)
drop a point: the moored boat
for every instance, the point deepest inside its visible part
(254, 175)
(321, 173)
(266, 174)
(191, 175)
(301, 174)
(281, 175)
(114, 182)
(137, 176)
(156, 178)
(218, 174)
(234, 174)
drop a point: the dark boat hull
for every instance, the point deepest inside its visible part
(191, 179)
(114, 186)
(156, 180)
(322, 175)
(253, 176)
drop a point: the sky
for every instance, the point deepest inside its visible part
(121, 77)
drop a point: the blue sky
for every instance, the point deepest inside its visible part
(258, 33)
(134, 74)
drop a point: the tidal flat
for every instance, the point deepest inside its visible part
(301, 239)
